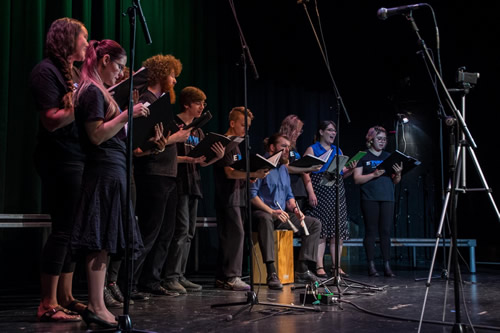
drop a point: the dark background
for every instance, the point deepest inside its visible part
(374, 63)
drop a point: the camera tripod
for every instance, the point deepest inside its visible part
(456, 185)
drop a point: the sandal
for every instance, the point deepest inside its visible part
(321, 275)
(48, 316)
(76, 306)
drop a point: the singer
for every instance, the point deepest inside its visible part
(267, 216)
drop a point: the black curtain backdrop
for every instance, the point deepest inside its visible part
(375, 64)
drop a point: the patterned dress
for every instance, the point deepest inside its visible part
(325, 210)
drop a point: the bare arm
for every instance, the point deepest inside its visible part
(100, 131)
(237, 174)
(53, 119)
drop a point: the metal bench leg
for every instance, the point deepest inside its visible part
(472, 259)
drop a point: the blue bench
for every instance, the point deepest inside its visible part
(418, 242)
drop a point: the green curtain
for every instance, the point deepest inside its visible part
(183, 28)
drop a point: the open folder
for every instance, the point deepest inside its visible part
(159, 112)
(330, 174)
(398, 157)
(121, 91)
(204, 148)
(258, 162)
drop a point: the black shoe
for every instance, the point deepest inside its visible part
(273, 282)
(138, 296)
(306, 277)
(372, 271)
(89, 317)
(321, 275)
(110, 301)
(160, 291)
(387, 270)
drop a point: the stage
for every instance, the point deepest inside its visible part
(360, 310)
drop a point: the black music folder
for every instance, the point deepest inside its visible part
(159, 112)
(204, 148)
(120, 91)
(398, 157)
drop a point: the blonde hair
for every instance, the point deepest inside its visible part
(237, 110)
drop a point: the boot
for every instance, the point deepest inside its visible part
(387, 270)
(372, 271)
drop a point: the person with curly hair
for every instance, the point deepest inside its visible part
(59, 161)
(155, 173)
(291, 127)
(101, 218)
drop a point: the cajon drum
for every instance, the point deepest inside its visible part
(283, 251)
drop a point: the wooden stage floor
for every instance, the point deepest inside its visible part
(360, 309)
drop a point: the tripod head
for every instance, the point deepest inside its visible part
(466, 80)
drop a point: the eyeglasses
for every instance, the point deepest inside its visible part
(200, 103)
(120, 66)
(381, 138)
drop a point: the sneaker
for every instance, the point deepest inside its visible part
(117, 293)
(174, 286)
(273, 282)
(110, 301)
(188, 285)
(160, 291)
(306, 277)
(235, 283)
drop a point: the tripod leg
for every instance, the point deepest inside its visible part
(438, 235)
(483, 180)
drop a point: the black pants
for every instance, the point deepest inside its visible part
(61, 184)
(378, 216)
(265, 224)
(155, 208)
(230, 228)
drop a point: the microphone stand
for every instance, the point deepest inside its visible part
(468, 141)
(338, 280)
(124, 321)
(252, 298)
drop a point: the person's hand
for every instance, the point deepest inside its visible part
(219, 150)
(159, 139)
(281, 215)
(140, 111)
(135, 96)
(313, 200)
(197, 160)
(180, 136)
(398, 168)
(352, 165)
(378, 172)
(261, 173)
(314, 168)
(298, 213)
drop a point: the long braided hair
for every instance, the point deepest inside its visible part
(60, 44)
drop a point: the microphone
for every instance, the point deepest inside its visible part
(384, 13)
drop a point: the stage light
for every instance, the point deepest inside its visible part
(403, 118)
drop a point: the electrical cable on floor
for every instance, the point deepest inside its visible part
(443, 323)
